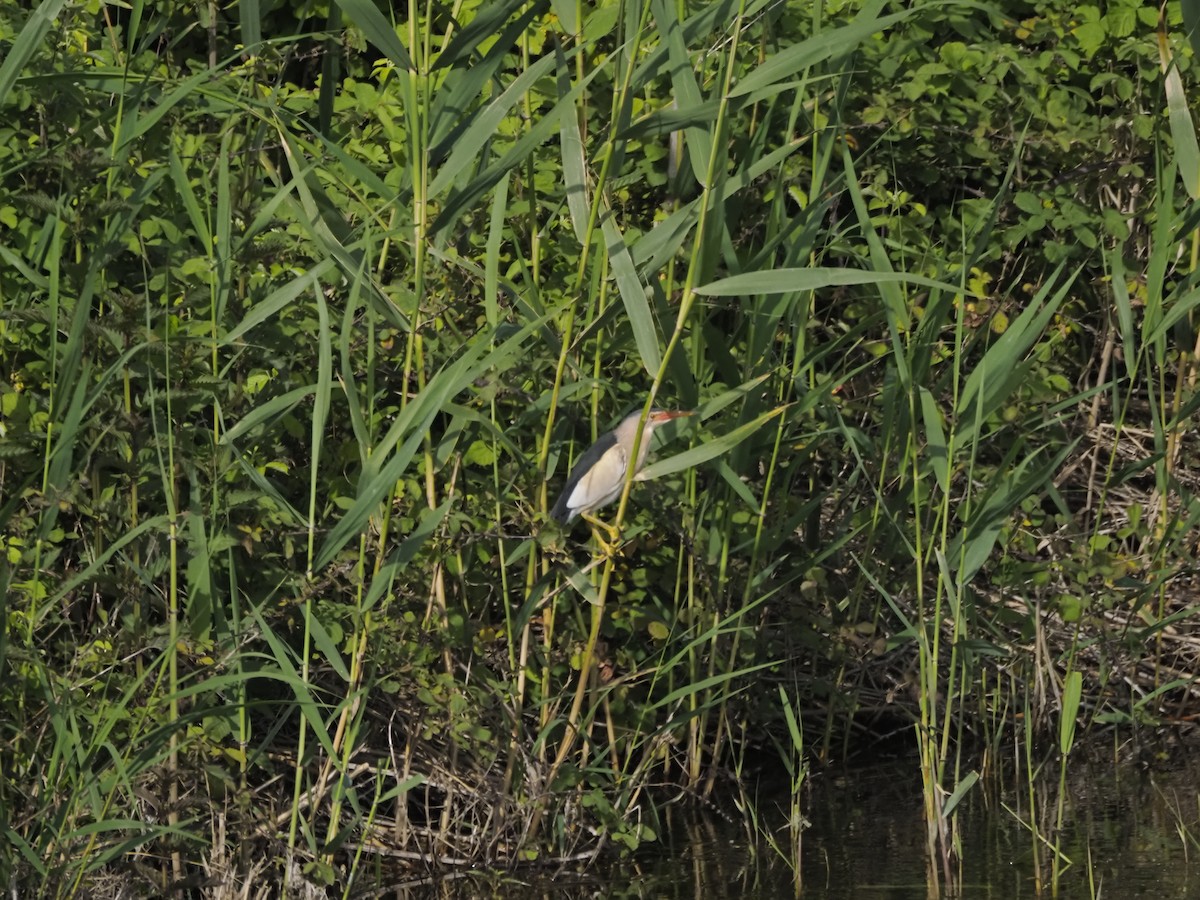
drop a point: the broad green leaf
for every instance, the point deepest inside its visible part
(199, 619)
(222, 244)
(282, 655)
(633, 296)
(1179, 308)
(935, 440)
(541, 131)
(157, 524)
(1191, 23)
(349, 380)
(491, 264)
(583, 586)
(1072, 694)
(326, 225)
(250, 21)
(708, 450)
(320, 414)
(483, 128)
(998, 373)
(1183, 130)
(654, 249)
(793, 724)
(328, 648)
(567, 12)
(686, 91)
(960, 791)
(894, 305)
(782, 281)
(27, 42)
(1124, 308)
(398, 447)
(670, 119)
(33, 857)
(431, 520)
(379, 31)
(574, 166)
(183, 190)
(822, 46)
(702, 685)
(1004, 494)
(278, 299)
(287, 511)
(737, 484)
(487, 22)
(273, 408)
(455, 103)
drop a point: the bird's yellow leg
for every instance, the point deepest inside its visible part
(609, 547)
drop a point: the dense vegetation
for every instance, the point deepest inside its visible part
(305, 311)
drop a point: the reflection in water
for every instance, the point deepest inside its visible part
(1127, 833)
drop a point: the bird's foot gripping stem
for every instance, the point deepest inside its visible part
(612, 546)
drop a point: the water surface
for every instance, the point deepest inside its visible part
(1128, 831)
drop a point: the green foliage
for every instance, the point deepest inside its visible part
(958, 95)
(304, 314)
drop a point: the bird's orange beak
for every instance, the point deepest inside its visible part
(665, 415)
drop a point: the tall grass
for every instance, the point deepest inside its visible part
(298, 369)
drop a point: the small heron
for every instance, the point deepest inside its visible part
(599, 476)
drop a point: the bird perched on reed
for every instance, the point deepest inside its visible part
(599, 476)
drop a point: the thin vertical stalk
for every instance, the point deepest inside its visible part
(687, 300)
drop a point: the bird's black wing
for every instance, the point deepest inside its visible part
(583, 465)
